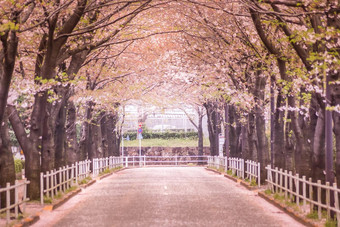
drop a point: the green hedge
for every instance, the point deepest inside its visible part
(163, 135)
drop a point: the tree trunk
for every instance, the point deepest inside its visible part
(95, 140)
(234, 132)
(32, 156)
(60, 135)
(7, 169)
(226, 130)
(318, 156)
(84, 145)
(262, 142)
(250, 139)
(200, 134)
(110, 131)
(71, 144)
(104, 129)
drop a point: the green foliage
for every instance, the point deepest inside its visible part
(253, 182)
(71, 189)
(331, 223)
(85, 180)
(312, 215)
(19, 165)
(268, 192)
(47, 200)
(163, 135)
(177, 142)
(229, 172)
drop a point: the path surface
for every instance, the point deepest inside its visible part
(166, 196)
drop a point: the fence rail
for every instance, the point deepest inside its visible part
(60, 180)
(101, 164)
(9, 204)
(163, 160)
(243, 169)
(298, 188)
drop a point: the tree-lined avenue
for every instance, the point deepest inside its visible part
(166, 196)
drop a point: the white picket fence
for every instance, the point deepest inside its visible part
(299, 189)
(83, 170)
(60, 180)
(17, 202)
(101, 164)
(237, 165)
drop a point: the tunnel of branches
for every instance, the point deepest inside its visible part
(265, 73)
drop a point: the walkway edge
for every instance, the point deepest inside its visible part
(288, 211)
(109, 174)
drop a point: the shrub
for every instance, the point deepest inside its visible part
(19, 165)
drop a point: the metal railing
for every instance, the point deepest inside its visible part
(237, 167)
(101, 164)
(9, 204)
(163, 160)
(299, 188)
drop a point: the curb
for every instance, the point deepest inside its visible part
(65, 198)
(212, 170)
(91, 182)
(288, 211)
(247, 186)
(109, 174)
(28, 221)
(34, 218)
(232, 178)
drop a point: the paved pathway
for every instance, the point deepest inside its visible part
(166, 196)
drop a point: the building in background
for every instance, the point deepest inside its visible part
(161, 119)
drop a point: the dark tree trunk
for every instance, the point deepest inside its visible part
(214, 126)
(32, 156)
(71, 145)
(250, 140)
(7, 169)
(262, 142)
(200, 132)
(234, 132)
(318, 156)
(84, 145)
(110, 131)
(104, 129)
(95, 140)
(60, 133)
(116, 135)
(226, 130)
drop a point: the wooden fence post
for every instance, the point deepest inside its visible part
(319, 198)
(304, 190)
(336, 202)
(328, 200)
(42, 188)
(297, 186)
(8, 201)
(16, 198)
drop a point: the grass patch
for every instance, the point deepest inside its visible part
(178, 142)
(230, 172)
(279, 197)
(253, 183)
(47, 200)
(85, 180)
(313, 215)
(268, 192)
(331, 223)
(71, 189)
(106, 171)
